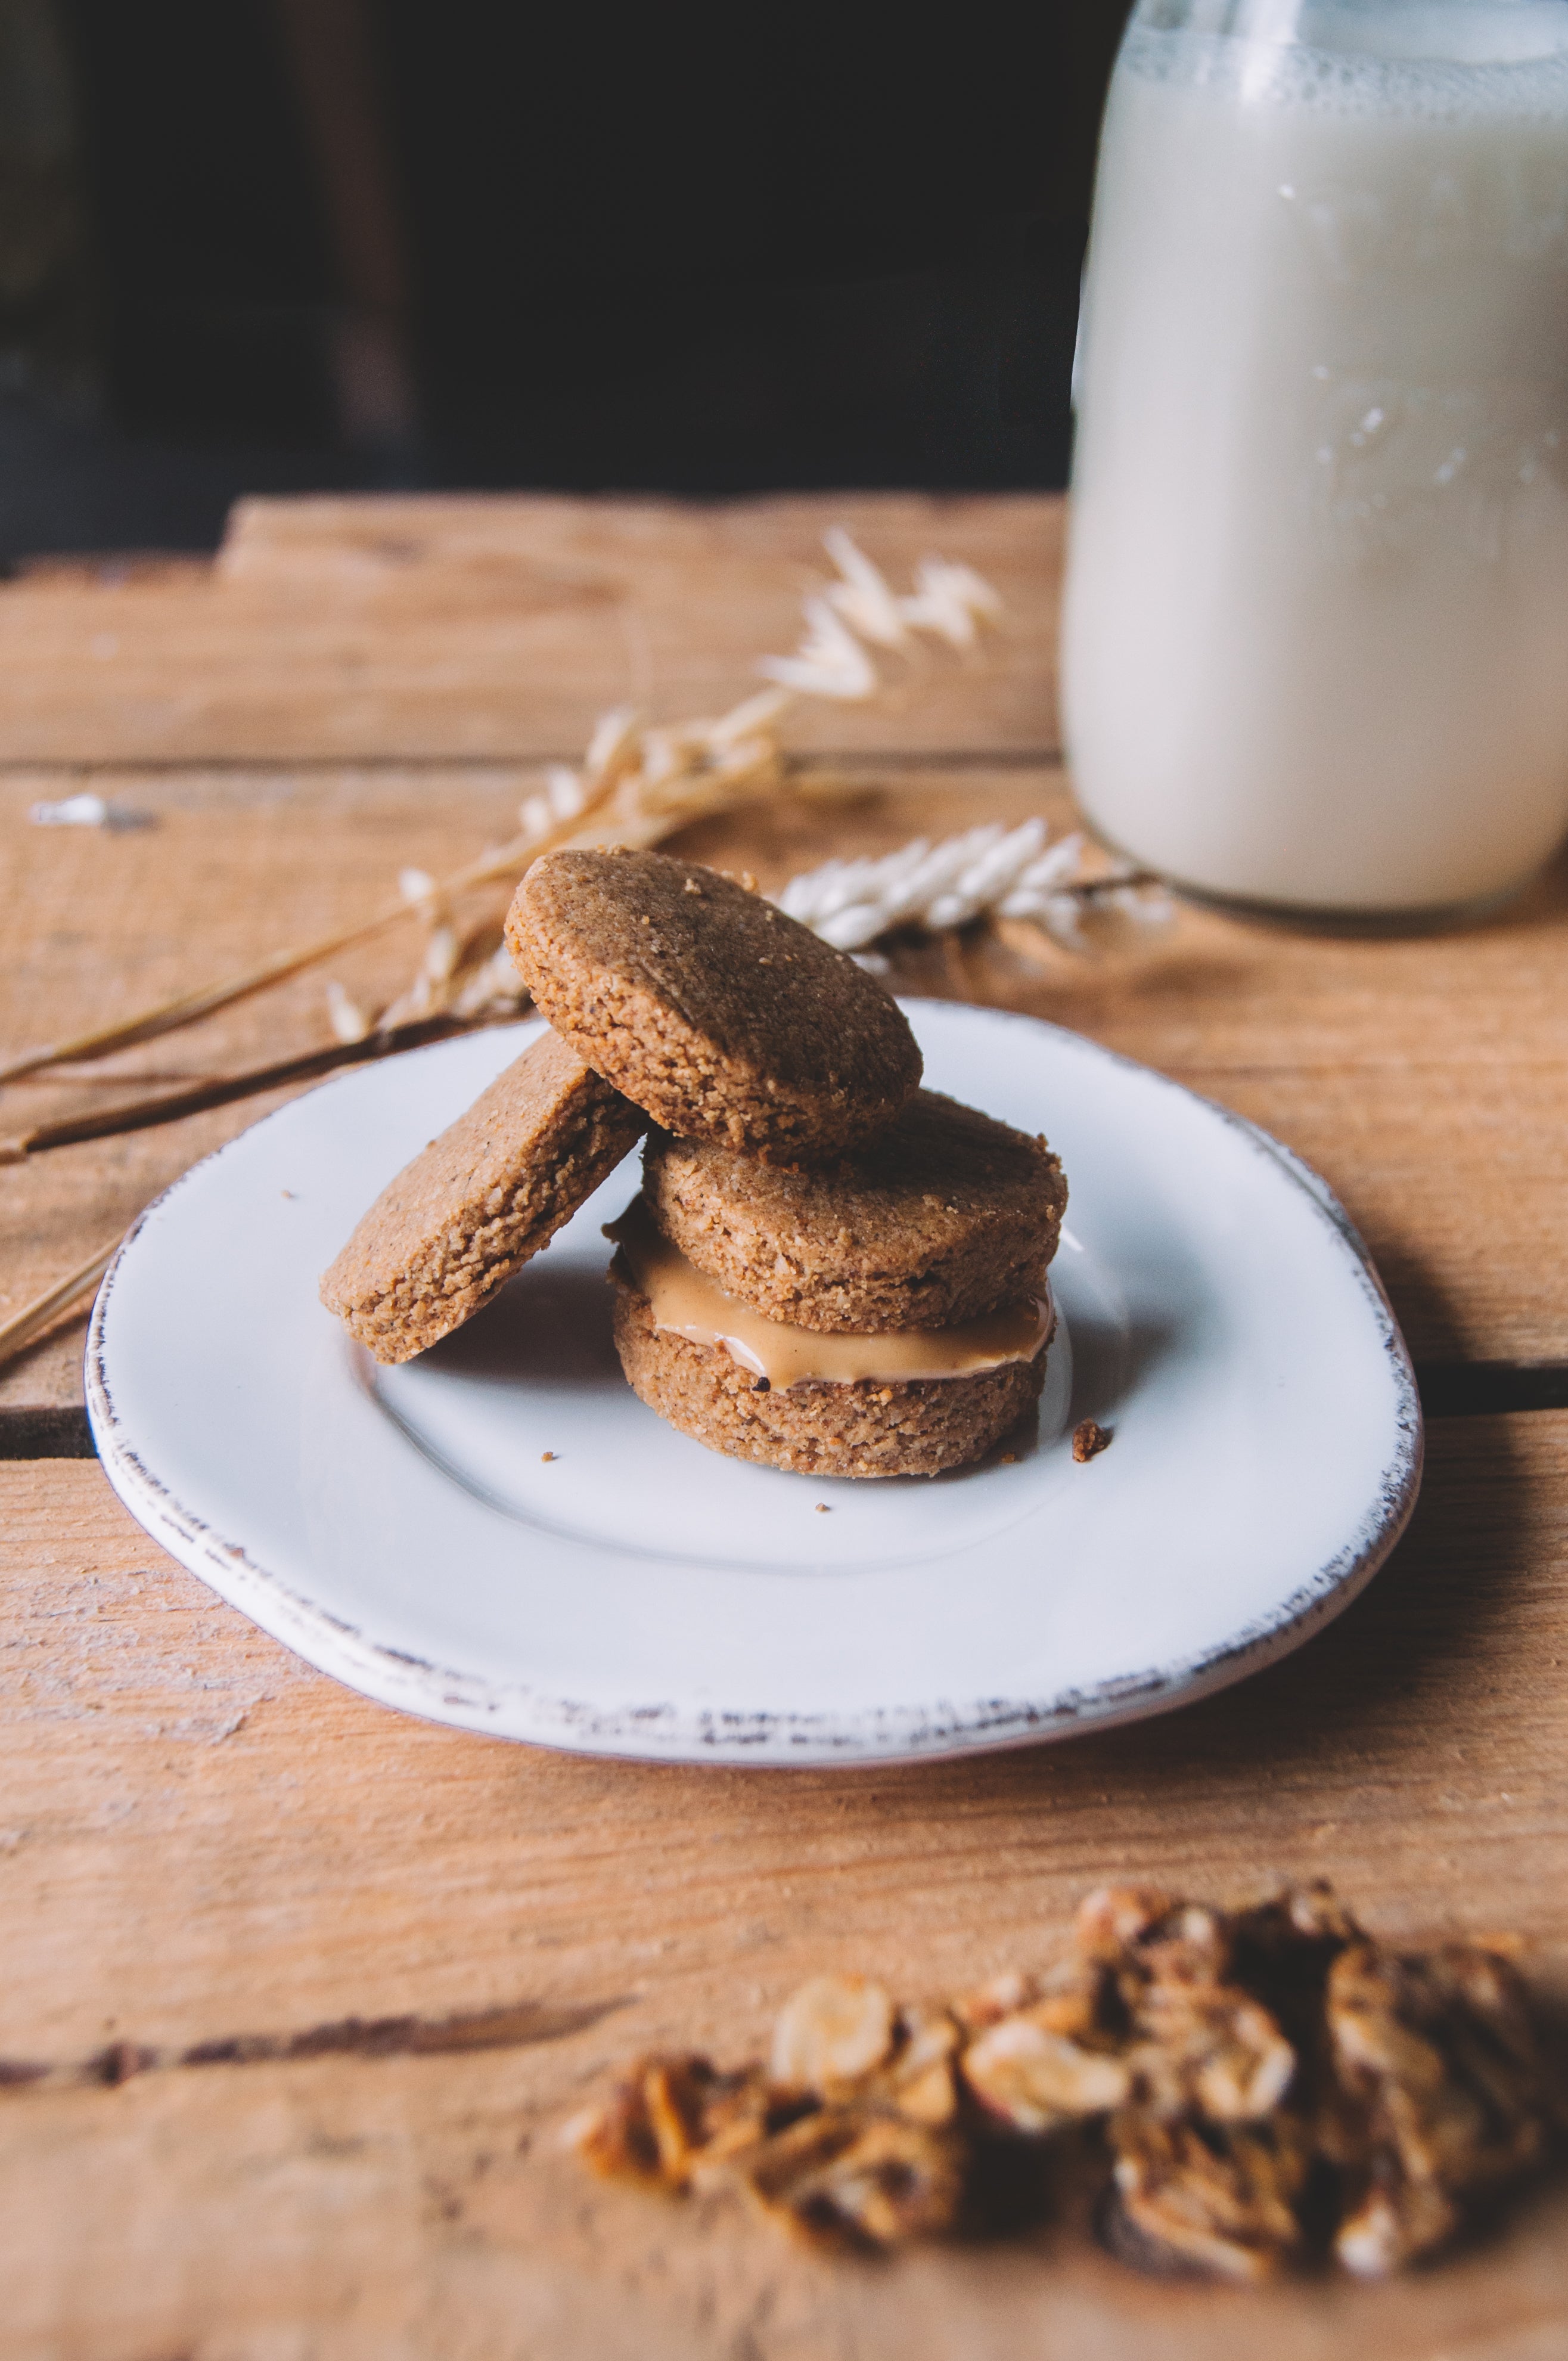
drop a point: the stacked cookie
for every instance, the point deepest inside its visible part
(830, 1270)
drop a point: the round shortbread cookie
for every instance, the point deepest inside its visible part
(475, 1204)
(708, 1007)
(918, 1428)
(945, 1216)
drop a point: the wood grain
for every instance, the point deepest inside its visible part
(429, 1946)
(471, 629)
(1422, 1076)
(202, 1839)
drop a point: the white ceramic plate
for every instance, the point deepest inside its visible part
(636, 1594)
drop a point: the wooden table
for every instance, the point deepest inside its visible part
(409, 1952)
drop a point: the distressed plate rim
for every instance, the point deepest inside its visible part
(869, 1735)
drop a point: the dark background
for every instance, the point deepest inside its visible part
(266, 245)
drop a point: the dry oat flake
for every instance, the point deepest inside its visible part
(1247, 2090)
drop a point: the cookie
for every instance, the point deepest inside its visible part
(724, 1019)
(945, 1216)
(475, 1204)
(869, 1428)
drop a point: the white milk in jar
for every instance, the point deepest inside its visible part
(1315, 643)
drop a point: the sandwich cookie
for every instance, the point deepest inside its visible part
(947, 1214)
(833, 1405)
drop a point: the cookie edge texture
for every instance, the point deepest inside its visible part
(922, 1427)
(397, 1303)
(1004, 1257)
(684, 1079)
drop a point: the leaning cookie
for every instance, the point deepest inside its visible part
(708, 1007)
(472, 1208)
(868, 1427)
(945, 1216)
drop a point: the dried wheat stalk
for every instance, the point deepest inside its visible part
(173, 1106)
(34, 1317)
(637, 784)
(1009, 879)
(601, 777)
(992, 873)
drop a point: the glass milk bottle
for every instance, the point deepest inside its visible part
(1315, 638)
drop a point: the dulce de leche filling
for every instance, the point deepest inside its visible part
(683, 1302)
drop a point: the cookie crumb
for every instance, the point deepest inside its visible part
(1089, 1439)
(823, 1510)
(287, 1193)
(545, 1458)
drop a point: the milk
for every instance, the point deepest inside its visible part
(1315, 644)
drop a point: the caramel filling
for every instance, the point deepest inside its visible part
(687, 1304)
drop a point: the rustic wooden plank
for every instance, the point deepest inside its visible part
(1422, 1076)
(200, 1838)
(499, 627)
(237, 865)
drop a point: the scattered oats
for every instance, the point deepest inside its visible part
(862, 597)
(347, 1019)
(861, 607)
(635, 787)
(834, 2029)
(1437, 2061)
(1144, 907)
(563, 792)
(75, 811)
(491, 987)
(989, 870)
(951, 600)
(1408, 2085)
(666, 754)
(612, 748)
(749, 759)
(1058, 915)
(1031, 2078)
(578, 2133)
(441, 954)
(561, 798)
(754, 717)
(829, 660)
(419, 1001)
(89, 811)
